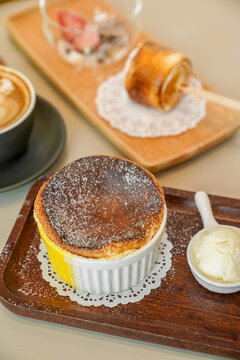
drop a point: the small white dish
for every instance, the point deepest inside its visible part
(209, 222)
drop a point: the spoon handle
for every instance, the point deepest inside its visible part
(205, 210)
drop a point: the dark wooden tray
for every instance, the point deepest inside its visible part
(180, 313)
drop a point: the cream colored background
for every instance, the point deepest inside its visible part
(208, 31)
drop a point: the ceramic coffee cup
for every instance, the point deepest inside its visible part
(17, 106)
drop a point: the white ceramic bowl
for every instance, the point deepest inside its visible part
(215, 286)
(209, 222)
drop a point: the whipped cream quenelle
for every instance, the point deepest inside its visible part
(217, 253)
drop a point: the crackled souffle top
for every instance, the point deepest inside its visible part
(100, 206)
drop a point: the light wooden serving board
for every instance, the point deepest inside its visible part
(80, 88)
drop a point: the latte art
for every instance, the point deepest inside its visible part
(15, 98)
(9, 108)
(6, 86)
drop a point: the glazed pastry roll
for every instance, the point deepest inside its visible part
(154, 74)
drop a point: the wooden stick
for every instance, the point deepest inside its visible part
(210, 96)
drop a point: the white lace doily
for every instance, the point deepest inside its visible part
(136, 120)
(134, 294)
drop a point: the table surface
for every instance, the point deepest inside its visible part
(208, 32)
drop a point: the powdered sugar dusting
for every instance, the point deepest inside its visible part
(5, 253)
(27, 271)
(181, 227)
(96, 201)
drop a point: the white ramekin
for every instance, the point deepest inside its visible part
(99, 276)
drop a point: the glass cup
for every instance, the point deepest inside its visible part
(90, 33)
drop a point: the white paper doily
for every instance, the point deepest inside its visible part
(136, 120)
(134, 294)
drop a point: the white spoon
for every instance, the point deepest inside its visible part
(204, 207)
(209, 222)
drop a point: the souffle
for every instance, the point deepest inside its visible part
(100, 207)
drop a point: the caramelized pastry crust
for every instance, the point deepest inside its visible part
(100, 206)
(153, 76)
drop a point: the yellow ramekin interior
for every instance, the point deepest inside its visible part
(58, 257)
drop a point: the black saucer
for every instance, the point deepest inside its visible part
(45, 145)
